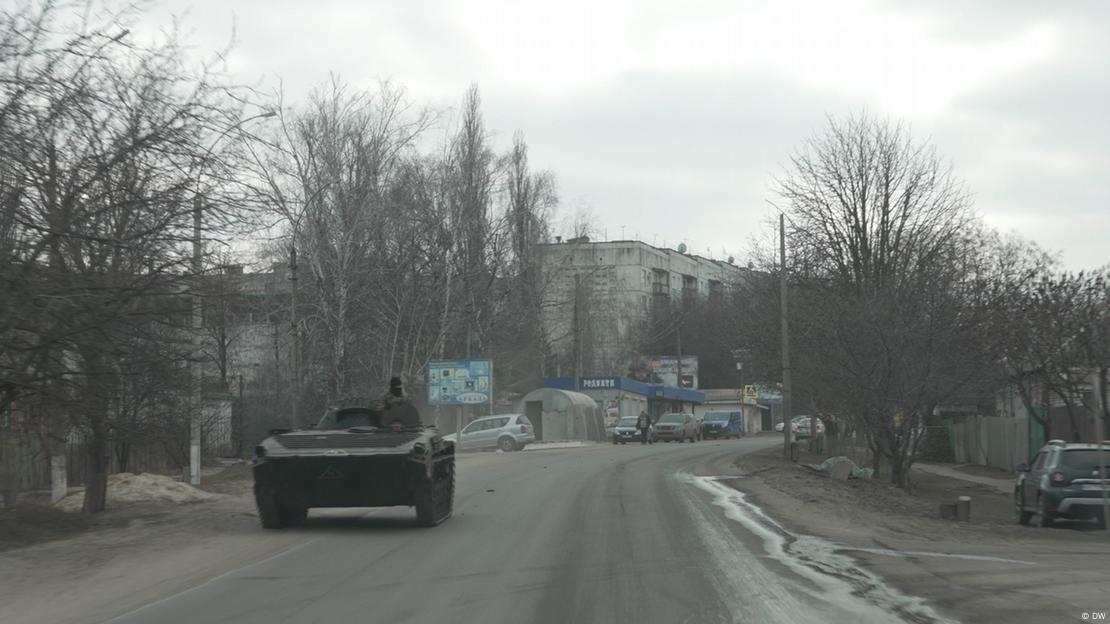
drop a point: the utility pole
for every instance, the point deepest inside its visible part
(198, 326)
(295, 328)
(577, 336)
(461, 416)
(787, 432)
(1100, 409)
(198, 318)
(678, 336)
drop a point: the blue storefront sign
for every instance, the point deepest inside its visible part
(600, 383)
(652, 391)
(460, 382)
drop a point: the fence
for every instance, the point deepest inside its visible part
(23, 457)
(995, 441)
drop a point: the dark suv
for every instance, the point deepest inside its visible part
(1062, 482)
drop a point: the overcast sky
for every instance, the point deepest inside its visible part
(669, 119)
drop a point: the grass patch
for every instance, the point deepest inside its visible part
(30, 524)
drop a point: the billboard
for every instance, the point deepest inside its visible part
(460, 382)
(663, 369)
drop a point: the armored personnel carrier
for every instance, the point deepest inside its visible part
(363, 453)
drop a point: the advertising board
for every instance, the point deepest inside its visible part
(663, 369)
(460, 382)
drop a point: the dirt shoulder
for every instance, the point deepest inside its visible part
(987, 570)
(92, 569)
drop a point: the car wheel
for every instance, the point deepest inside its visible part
(1020, 514)
(435, 499)
(506, 444)
(1044, 519)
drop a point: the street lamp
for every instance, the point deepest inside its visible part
(198, 319)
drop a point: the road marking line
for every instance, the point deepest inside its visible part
(914, 553)
(218, 577)
(223, 575)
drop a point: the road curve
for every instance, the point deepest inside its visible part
(596, 534)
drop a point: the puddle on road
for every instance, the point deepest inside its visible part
(845, 589)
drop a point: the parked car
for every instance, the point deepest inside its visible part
(627, 431)
(803, 427)
(508, 432)
(1063, 481)
(779, 427)
(722, 425)
(678, 427)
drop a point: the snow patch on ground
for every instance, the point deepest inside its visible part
(844, 586)
(125, 487)
(539, 446)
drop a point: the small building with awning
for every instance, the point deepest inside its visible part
(732, 400)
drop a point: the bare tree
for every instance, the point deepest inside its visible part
(102, 140)
(1057, 335)
(884, 249)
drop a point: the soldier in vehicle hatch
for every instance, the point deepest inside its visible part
(397, 408)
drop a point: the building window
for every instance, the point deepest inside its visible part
(661, 283)
(689, 288)
(716, 289)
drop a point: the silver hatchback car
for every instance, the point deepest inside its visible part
(508, 432)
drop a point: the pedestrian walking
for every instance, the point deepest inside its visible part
(644, 425)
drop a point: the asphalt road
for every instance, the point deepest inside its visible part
(596, 534)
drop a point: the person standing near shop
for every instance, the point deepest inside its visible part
(644, 425)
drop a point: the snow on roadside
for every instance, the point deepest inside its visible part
(125, 487)
(539, 446)
(845, 586)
